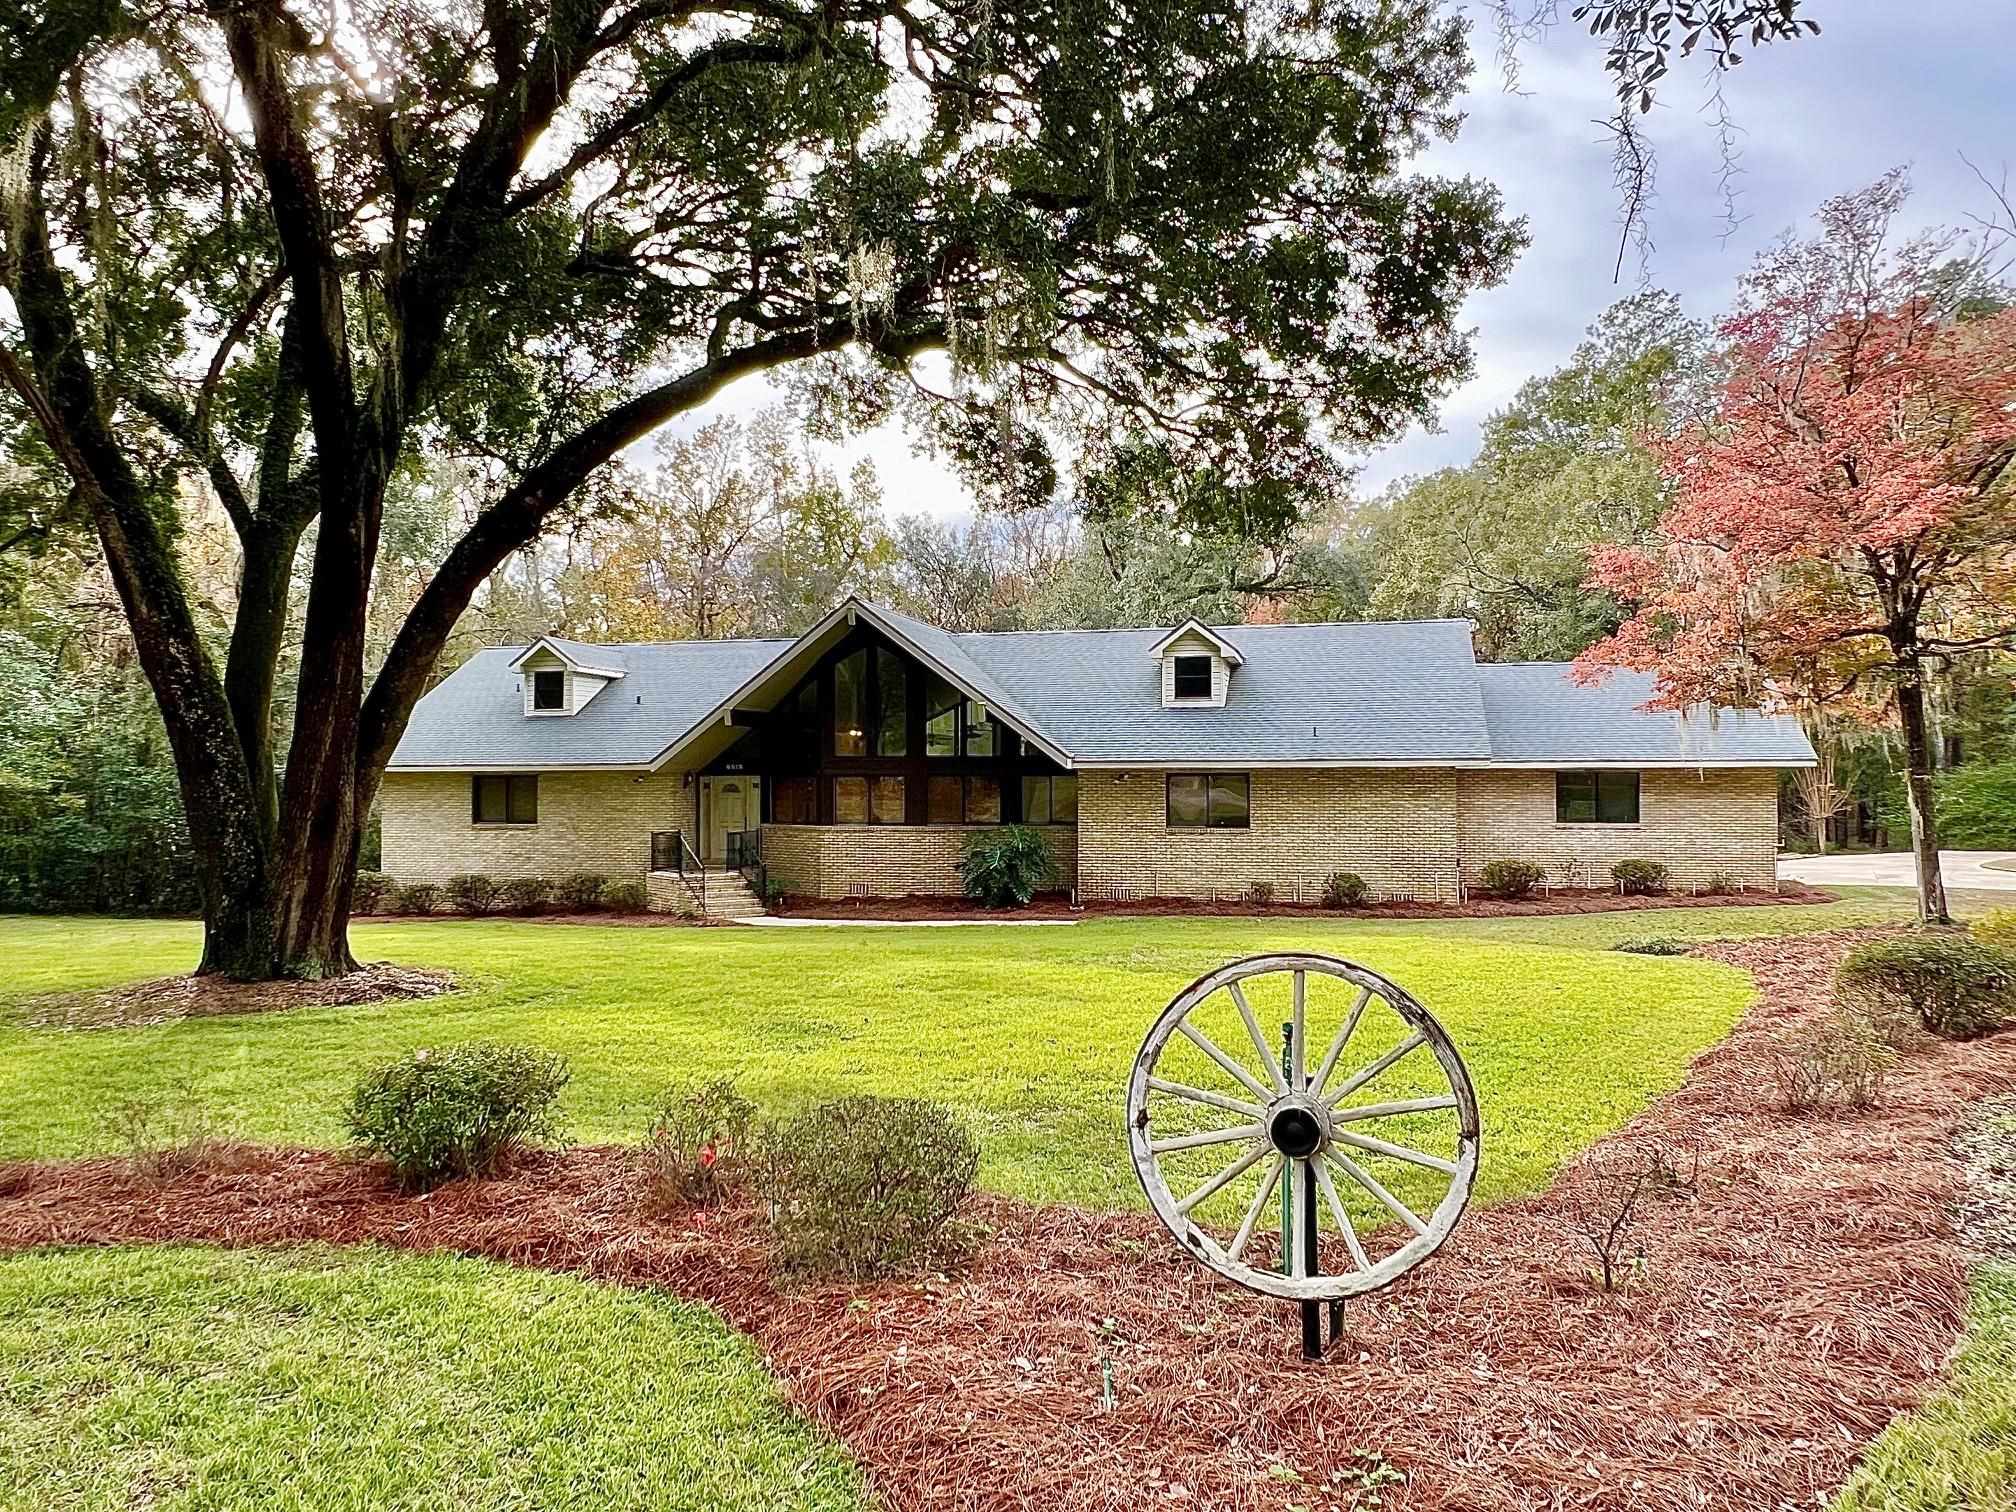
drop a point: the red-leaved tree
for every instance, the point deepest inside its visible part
(1842, 525)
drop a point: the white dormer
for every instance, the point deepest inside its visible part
(1197, 665)
(559, 678)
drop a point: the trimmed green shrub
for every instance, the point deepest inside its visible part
(1635, 876)
(1345, 890)
(625, 897)
(1260, 893)
(417, 898)
(696, 1147)
(1511, 879)
(1006, 866)
(471, 893)
(1654, 945)
(1956, 987)
(1996, 927)
(870, 1186)
(580, 892)
(371, 892)
(525, 895)
(439, 1114)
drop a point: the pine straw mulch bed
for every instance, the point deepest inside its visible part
(1808, 1292)
(167, 999)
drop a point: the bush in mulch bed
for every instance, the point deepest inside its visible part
(439, 1114)
(1957, 987)
(697, 1144)
(1654, 945)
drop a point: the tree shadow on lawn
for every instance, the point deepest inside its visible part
(1807, 1290)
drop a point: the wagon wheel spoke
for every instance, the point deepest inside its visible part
(1343, 1219)
(1207, 1098)
(1391, 1109)
(1299, 1261)
(1223, 1179)
(1267, 1061)
(1413, 1042)
(1270, 1180)
(1337, 1045)
(1298, 1036)
(1398, 1152)
(1231, 1067)
(1372, 1184)
(1207, 1137)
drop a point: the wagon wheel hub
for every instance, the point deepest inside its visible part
(1297, 1128)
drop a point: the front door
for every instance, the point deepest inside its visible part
(731, 807)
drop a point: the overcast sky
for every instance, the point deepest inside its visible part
(1886, 83)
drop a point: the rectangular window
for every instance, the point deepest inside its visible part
(1193, 676)
(941, 717)
(979, 731)
(892, 702)
(504, 800)
(850, 705)
(885, 800)
(1596, 797)
(794, 800)
(549, 690)
(983, 800)
(1217, 800)
(945, 800)
(850, 800)
(1049, 800)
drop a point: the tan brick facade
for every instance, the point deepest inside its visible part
(886, 860)
(1696, 823)
(588, 821)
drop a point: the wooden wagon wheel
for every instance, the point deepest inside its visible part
(1195, 1097)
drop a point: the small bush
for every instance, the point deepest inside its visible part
(696, 1148)
(525, 895)
(1512, 879)
(417, 898)
(1345, 890)
(580, 892)
(371, 892)
(1654, 945)
(1722, 884)
(1639, 876)
(625, 897)
(1006, 866)
(163, 1134)
(1260, 894)
(1956, 987)
(471, 893)
(439, 1114)
(1840, 1060)
(1997, 927)
(870, 1186)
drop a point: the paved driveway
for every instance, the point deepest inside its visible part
(1979, 871)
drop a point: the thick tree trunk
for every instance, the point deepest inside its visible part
(1932, 907)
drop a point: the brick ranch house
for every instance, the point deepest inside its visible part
(1185, 762)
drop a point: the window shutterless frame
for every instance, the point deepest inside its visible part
(1596, 797)
(1193, 677)
(1208, 800)
(549, 690)
(504, 799)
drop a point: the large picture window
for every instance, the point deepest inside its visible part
(867, 800)
(794, 800)
(892, 701)
(850, 705)
(1596, 797)
(962, 800)
(1049, 800)
(1209, 800)
(504, 800)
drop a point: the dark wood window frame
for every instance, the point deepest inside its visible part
(515, 795)
(1213, 784)
(1188, 669)
(1599, 796)
(1049, 781)
(543, 680)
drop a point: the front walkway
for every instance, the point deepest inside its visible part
(1965, 871)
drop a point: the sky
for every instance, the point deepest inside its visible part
(1885, 84)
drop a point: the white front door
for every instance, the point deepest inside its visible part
(731, 806)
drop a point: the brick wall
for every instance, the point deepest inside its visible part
(1395, 827)
(1696, 823)
(888, 860)
(588, 821)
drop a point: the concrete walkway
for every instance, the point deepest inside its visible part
(1965, 871)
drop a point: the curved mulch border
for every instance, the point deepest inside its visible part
(1808, 1292)
(167, 999)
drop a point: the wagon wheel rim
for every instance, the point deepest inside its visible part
(1316, 1117)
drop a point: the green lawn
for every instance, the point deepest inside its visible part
(1028, 1032)
(358, 1379)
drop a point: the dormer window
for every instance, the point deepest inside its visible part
(560, 678)
(1192, 677)
(1197, 664)
(549, 689)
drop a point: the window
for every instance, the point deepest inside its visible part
(549, 690)
(885, 800)
(941, 717)
(1049, 800)
(983, 800)
(794, 800)
(850, 705)
(867, 800)
(962, 800)
(1595, 797)
(1217, 800)
(850, 800)
(892, 701)
(979, 730)
(1193, 676)
(504, 800)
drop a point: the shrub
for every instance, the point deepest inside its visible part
(580, 892)
(417, 898)
(1639, 876)
(471, 893)
(1004, 867)
(696, 1148)
(1511, 879)
(1608, 1196)
(869, 1186)
(1345, 890)
(370, 892)
(1996, 927)
(163, 1134)
(1260, 893)
(625, 897)
(525, 895)
(1839, 1060)
(1654, 945)
(439, 1114)
(1722, 884)
(1956, 987)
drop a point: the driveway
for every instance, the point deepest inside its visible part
(1975, 871)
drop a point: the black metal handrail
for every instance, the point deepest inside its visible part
(670, 851)
(745, 849)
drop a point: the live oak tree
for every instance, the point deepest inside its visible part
(275, 251)
(1844, 524)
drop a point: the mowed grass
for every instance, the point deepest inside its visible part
(187, 1378)
(1028, 1033)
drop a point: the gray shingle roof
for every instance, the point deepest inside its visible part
(1380, 693)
